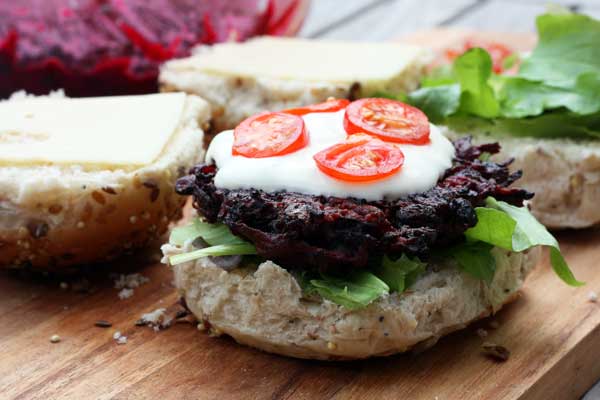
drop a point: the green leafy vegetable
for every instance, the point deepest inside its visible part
(552, 124)
(353, 292)
(555, 94)
(437, 102)
(568, 47)
(476, 259)
(213, 234)
(494, 227)
(522, 98)
(216, 251)
(401, 273)
(218, 236)
(473, 70)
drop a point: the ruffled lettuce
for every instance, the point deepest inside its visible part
(555, 93)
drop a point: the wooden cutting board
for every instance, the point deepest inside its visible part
(552, 332)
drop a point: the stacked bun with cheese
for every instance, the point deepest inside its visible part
(84, 180)
(269, 73)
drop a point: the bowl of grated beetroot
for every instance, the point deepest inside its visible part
(108, 47)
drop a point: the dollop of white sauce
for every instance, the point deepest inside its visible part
(298, 172)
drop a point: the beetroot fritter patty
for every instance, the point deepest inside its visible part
(330, 233)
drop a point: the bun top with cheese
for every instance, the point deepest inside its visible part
(82, 179)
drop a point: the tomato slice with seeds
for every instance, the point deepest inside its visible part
(269, 134)
(328, 106)
(387, 119)
(361, 158)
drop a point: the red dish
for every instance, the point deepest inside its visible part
(103, 47)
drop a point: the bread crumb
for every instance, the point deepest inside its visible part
(157, 319)
(64, 285)
(201, 326)
(153, 317)
(482, 333)
(125, 293)
(54, 339)
(592, 297)
(130, 281)
(214, 332)
(331, 346)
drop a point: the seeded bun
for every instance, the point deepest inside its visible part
(235, 97)
(55, 217)
(564, 174)
(264, 307)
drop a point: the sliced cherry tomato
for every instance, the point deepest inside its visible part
(268, 135)
(389, 120)
(328, 106)
(361, 158)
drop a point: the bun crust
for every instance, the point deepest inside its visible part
(564, 175)
(265, 308)
(54, 217)
(234, 98)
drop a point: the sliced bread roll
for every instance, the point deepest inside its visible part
(243, 79)
(83, 180)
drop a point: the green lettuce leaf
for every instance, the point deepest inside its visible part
(553, 124)
(220, 240)
(523, 98)
(437, 102)
(401, 273)
(473, 70)
(555, 94)
(476, 259)
(213, 234)
(494, 227)
(215, 251)
(568, 47)
(356, 291)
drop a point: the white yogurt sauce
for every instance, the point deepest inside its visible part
(298, 172)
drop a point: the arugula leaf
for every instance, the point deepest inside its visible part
(356, 291)
(436, 102)
(213, 234)
(218, 236)
(216, 251)
(555, 94)
(494, 227)
(472, 71)
(401, 273)
(522, 98)
(553, 124)
(568, 47)
(476, 259)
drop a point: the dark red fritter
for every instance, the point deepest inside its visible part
(332, 234)
(101, 47)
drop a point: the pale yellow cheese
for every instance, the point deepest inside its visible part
(306, 60)
(105, 132)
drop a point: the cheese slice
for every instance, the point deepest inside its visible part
(103, 132)
(306, 60)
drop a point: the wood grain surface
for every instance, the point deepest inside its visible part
(552, 332)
